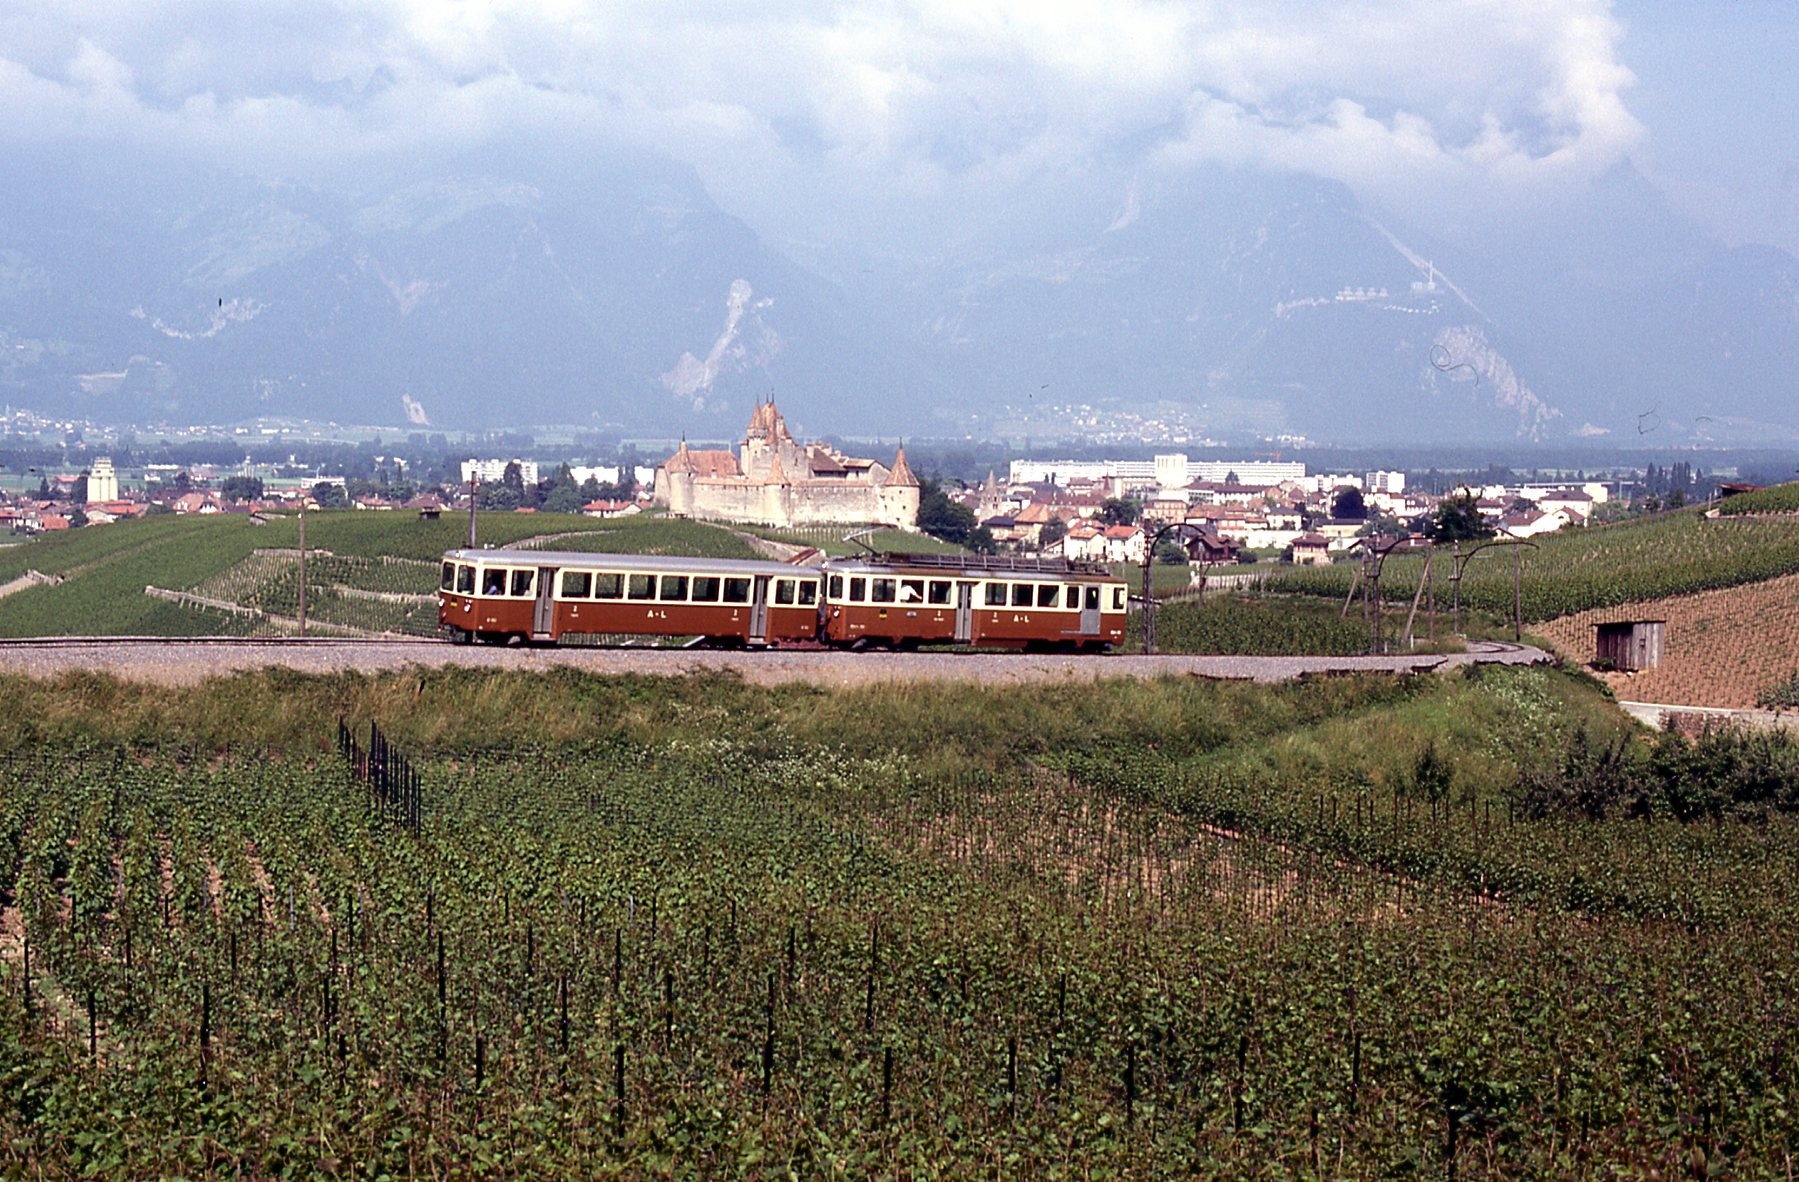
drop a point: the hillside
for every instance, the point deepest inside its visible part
(1581, 570)
(369, 571)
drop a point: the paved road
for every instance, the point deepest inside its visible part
(167, 662)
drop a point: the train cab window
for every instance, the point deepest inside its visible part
(836, 591)
(493, 581)
(911, 590)
(858, 590)
(881, 590)
(1047, 595)
(465, 580)
(1118, 599)
(576, 584)
(449, 577)
(1021, 595)
(996, 595)
(1073, 598)
(608, 585)
(640, 586)
(521, 582)
(809, 592)
(705, 588)
(784, 592)
(674, 588)
(939, 591)
(737, 590)
(1092, 600)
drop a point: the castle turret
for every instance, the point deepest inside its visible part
(900, 495)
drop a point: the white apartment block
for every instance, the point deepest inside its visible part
(1169, 471)
(494, 471)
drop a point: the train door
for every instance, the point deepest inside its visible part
(964, 613)
(543, 615)
(759, 611)
(1090, 610)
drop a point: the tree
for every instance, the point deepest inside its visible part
(1458, 519)
(590, 489)
(944, 519)
(241, 488)
(563, 498)
(329, 495)
(78, 493)
(1170, 552)
(183, 482)
(1348, 505)
(1120, 511)
(1053, 531)
(514, 478)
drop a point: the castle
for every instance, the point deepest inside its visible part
(774, 480)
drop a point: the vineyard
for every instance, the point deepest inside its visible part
(1578, 570)
(1781, 498)
(1242, 626)
(714, 929)
(1722, 648)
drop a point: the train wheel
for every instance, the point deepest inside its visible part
(461, 635)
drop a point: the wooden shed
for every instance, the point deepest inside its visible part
(1629, 645)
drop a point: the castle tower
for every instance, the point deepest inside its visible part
(899, 496)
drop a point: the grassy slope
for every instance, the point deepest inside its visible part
(1780, 498)
(106, 568)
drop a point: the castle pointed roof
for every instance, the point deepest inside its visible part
(901, 476)
(776, 473)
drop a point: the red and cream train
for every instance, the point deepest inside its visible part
(878, 600)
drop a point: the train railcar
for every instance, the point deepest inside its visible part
(538, 595)
(901, 600)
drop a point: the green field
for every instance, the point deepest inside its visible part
(830, 540)
(698, 928)
(1573, 570)
(106, 568)
(1234, 625)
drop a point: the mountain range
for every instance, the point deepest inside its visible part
(525, 287)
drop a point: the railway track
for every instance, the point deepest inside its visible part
(184, 661)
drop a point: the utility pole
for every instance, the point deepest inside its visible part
(302, 566)
(471, 509)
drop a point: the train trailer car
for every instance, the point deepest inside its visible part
(541, 596)
(902, 600)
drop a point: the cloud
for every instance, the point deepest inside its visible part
(795, 105)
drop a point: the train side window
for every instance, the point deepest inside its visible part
(1118, 599)
(449, 577)
(576, 584)
(858, 590)
(1092, 599)
(1021, 595)
(705, 588)
(674, 588)
(1073, 599)
(911, 590)
(522, 581)
(609, 585)
(809, 592)
(939, 592)
(640, 587)
(493, 580)
(1047, 595)
(882, 590)
(836, 591)
(465, 579)
(996, 595)
(784, 592)
(737, 590)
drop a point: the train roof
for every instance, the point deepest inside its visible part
(660, 563)
(976, 566)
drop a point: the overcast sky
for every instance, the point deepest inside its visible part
(819, 120)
